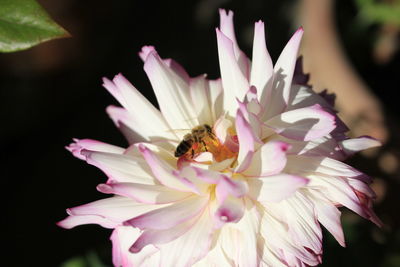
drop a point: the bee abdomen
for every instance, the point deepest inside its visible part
(182, 148)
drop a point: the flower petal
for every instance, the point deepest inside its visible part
(231, 210)
(269, 159)
(283, 74)
(247, 142)
(191, 246)
(328, 215)
(303, 124)
(157, 237)
(353, 145)
(234, 82)
(226, 26)
(170, 216)
(144, 193)
(261, 67)
(173, 94)
(89, 144)
(164, 172)
(275, 188)
(108, 212)
(199, 92)
(149, 122)
(122, 238)
(120, 168)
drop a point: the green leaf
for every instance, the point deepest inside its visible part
(24, 23)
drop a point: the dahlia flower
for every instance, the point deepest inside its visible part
(254, 191)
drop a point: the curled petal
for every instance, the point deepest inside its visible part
(303, 124)
(89, 144)
(269, 159)
(231, 210)
(170, 216)
(144, 193)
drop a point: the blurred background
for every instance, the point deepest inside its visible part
(52, 93)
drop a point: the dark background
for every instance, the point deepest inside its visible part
(52, 93)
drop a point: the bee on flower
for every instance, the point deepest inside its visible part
(249, 184)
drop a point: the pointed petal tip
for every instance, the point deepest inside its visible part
(104, 188)
(145, 51)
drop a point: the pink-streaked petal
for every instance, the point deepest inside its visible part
(328, 215)
(269, 159)
(147, 123)
(120, 168)
(353, 145)
(216, 98)
(283, 74)
(170, 216)
(145, 51)
(231, 210)
(249, 227)
(302, 221)
(234, 82)
(275, 233)
(73, 221)
(338, 191)
(108, 212)
(222, 129)
(122, 238)
(199, 92)
(162, 170)
(228, 187)
(172, 64)
(144, 193)
(247, 142)
(157, 237)
(191, 246)
(303, 124)
(125, 123)
(275, 188)
(261, 67)
(227, 28)
(172, 92)
(80, 144)
(324, 165)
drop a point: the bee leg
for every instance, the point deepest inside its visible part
(192, 153)
(205, 146)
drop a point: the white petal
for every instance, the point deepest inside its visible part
(108, 212)
(89, 144)
(149, 122)
(170, 216)
(173, 94)
(261, 67)
(144, 193)
(269, 159)
(234, 82)
(120, 168)
(275, 188)
(190, 247)
(199, 92)
(353, 145)
(303, 124)
(227, 28)
(283, 74)
(122, 238)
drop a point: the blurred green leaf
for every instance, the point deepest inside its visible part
(372, 11)
(91, 259)
(24, 23)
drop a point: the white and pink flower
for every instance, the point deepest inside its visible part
(257, 197)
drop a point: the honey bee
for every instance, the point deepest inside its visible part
(194, 141)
